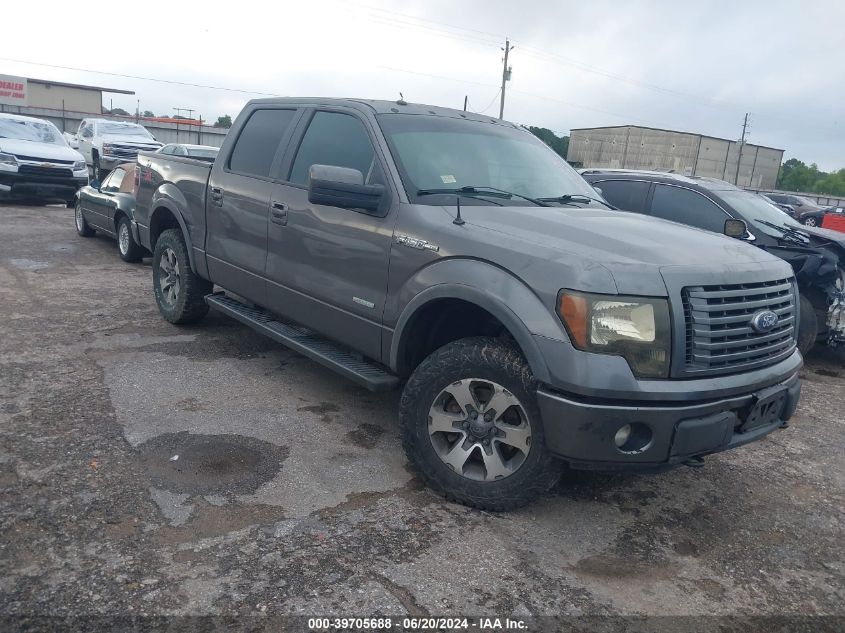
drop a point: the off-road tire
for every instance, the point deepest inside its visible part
(129, 251)
(82, 227)
(485, 359)
(189, 305)
(808, 326)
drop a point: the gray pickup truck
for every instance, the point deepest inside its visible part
(457, 256)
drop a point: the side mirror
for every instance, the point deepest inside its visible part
(96, 184)
(736, 228)
(343, 187)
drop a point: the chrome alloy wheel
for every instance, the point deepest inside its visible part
(123, 238)
(479, 429)
(169, 279)
(80, 221)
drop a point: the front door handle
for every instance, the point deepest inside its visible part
(217, 196)
(278, 213)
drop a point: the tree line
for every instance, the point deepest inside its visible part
(794, 175)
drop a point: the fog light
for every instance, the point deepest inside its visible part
(633, 438)
(622, 435)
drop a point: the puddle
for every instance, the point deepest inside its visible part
(210, 464)
(28, 264)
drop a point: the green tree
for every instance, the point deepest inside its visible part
(148, 114)
(223, 121)
(795, 175)
(120, 111)
(560, 144)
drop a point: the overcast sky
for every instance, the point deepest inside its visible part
(695, 67)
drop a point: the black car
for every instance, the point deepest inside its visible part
(804, 210)
(108, 207)
(817, 255)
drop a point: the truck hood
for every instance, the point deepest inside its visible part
(632, 247)
(614, 236)
(47, 151)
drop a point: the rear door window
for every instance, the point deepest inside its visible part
(687, 207)
(628, 195)
(335, 139)
(259, 141)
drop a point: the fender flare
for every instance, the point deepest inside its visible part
(499, 293)
(169, 197)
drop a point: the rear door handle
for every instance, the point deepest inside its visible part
(217, 196)
(278, 213)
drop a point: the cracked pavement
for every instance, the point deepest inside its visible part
(289, 492)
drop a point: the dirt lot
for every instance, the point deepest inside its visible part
(290, 493)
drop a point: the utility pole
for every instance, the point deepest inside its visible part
(178, 114)
(506, 77)
(741, 143)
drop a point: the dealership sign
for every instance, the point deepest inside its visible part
(13, 90)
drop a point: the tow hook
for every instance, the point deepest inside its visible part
(696, 461)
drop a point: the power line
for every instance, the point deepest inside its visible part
(492, 101)
(164, 81)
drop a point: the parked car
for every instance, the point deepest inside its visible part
(201, 152)
(109, 208)
(804, 210)
(790, 211)
(36, 161)
(105, 144)
(458, 255)
(816, 255)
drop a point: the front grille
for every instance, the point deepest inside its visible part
(49, 172)
(719, 336)
(128, 152)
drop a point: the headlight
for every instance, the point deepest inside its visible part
(106, 148)
(636, 328)
(8, 159)
(79, 165)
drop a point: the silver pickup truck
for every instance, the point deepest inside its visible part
(459, 258)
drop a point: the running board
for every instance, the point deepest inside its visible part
(300, 339)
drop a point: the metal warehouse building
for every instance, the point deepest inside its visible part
(636, 147)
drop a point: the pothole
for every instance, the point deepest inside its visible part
(210, 464)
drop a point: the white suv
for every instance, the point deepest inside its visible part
(105, 144)
(36, 161)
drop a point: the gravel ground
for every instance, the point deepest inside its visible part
(148, 469)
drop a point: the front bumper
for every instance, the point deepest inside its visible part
(14, 184)
(581, 430)
(110, 162)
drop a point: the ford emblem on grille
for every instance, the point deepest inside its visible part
(764, 321)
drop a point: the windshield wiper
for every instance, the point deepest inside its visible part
(482, 190)
(796, 235)
(578, 197)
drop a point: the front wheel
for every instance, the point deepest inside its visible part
(810, 221)
(471, 426)
(130, 251)
(180, 294)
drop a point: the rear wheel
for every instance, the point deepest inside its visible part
(82, 226)
(130, 251)
(808, 328)
(471, 426)
(180, 294)
(810, 221)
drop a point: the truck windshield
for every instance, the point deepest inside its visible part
(753, 208)
(123, 129)
(35, 131)
(440, 153)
